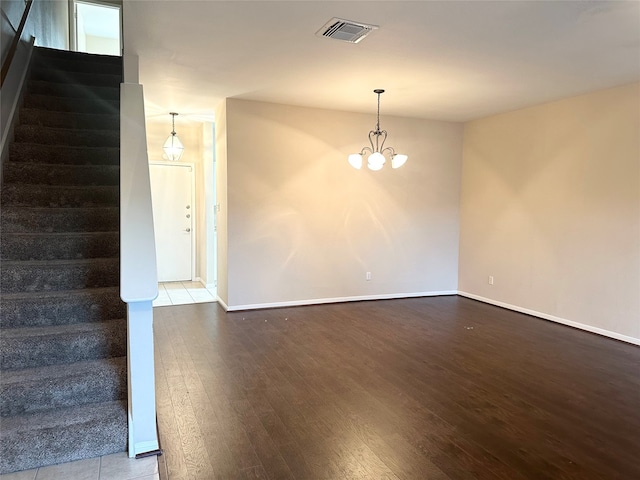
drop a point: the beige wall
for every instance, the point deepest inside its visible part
(48, 21)
(550, 207)
(9, 21)
(303, 225)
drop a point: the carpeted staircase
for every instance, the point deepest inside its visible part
(63, 384)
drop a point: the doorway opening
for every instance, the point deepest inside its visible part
(175, 218)
(96, 27)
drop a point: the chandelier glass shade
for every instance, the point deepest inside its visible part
(377, 151)
(173, 147)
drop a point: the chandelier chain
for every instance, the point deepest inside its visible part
(173, 122)
(378, 124)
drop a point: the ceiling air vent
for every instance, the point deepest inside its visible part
(345, 30)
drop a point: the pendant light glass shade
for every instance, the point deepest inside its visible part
(355, 160)
(377, 157)
(173, 147)
(376, 161)
(398, 160)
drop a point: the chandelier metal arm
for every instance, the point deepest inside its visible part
(391, 151)
(378, 147)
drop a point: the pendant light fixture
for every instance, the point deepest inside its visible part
(173, 147)
(377, 158)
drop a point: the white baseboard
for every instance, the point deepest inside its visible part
(222, 304)
(553, 318)
(202, 282)
(145, 447)
(318, 301)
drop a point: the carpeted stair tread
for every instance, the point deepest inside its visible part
(62, 435)
(68, 219)
(35, 153)
(26, 195)
(42, 73)
(49, 75)
(85, 64)
(55, 89)
(31, 347)
(68, 136)
(79, 121)
(37, 389)
(46, 53)
(47, 174)
(59, 154)
(60, 307)
(59, 246)
(75, 105)
(56, 275)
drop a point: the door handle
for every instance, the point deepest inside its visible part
(188, 230)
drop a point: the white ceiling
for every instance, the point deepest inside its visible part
(446, 60)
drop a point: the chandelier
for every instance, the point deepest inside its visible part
(173, 147)
(377, 158)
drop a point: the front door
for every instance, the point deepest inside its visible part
(173, 215)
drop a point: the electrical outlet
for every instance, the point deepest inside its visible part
(368, 276)
(490, 279)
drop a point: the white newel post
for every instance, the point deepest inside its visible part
(142, 399)
(138, 272)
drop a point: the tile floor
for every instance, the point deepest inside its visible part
(181, 293)
(109, 467)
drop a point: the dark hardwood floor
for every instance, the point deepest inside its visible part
(425, 388)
